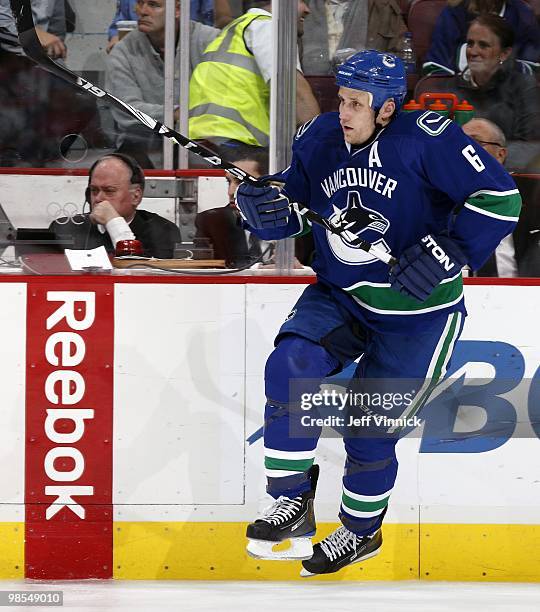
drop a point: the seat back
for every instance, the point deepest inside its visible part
(421, 22)
(431, 83)
(325, 91)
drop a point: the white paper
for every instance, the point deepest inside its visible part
(82, 260)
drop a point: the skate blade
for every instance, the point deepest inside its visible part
(300, 549)
(307, 574)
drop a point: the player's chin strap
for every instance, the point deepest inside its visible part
(22, 11)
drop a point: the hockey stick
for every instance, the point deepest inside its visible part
(29, 40)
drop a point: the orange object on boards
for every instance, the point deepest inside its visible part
(412, 105)
(438, 95)
(464, 106)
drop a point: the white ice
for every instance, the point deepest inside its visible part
(305, 596)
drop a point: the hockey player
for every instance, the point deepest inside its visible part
(418, 187)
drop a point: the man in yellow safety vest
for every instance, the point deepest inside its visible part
(229, 88)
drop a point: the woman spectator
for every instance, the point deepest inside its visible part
(492, 83)
(447, 43)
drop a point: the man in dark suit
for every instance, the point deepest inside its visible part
(115, 190)
(223, 225)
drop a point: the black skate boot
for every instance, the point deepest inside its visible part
(286, 519)
(340, 549)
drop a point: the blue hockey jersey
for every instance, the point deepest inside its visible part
(420, 175)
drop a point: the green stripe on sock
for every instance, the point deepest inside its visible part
(291, 465)
(364, 506)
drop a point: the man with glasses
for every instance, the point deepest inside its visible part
(490, 136)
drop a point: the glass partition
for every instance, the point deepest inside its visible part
(214, 86)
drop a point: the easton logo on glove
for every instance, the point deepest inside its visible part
(424, 265)
(438, 253)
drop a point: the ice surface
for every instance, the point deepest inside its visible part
(305, 596)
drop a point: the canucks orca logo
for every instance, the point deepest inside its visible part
(360, 222)
(389, 61)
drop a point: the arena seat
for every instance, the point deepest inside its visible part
(325, 91)
(421, 21)
(404, 6)
(430, 83)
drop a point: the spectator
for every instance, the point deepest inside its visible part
(348, 25)
(126, 10)
(40, 113)
(135, 73)
(490, 137)
(528, 240)
(491, 83)
(115, 190)
(223, 225)
(50, 19)
(229, 89)
(209, 12)
(446, 54)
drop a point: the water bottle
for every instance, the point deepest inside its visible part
(463, 112)
(439, 107)
(407, 54)
(412, 105)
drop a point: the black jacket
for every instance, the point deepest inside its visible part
(157, 235)
(510, 99)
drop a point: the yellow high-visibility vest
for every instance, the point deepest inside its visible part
(228, 96)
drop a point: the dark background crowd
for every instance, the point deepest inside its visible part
(486, 52)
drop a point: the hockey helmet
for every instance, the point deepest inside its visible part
(381, 74)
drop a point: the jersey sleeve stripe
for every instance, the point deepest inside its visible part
(494, 193)
(504, 205)
(491, 214)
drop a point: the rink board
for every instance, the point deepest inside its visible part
(173, 374)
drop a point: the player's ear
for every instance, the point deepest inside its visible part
(386, 111)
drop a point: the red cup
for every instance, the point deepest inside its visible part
(128, 247)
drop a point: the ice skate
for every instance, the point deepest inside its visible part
(286, 519)
(340, 549)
